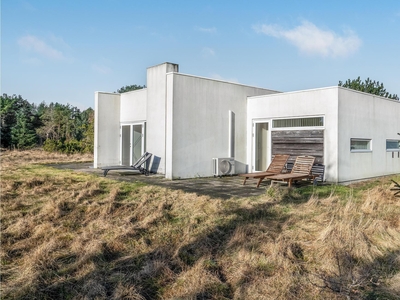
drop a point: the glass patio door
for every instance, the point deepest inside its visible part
(132, 143)
(260, 142)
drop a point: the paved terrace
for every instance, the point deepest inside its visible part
(224, 187)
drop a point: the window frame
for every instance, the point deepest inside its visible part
(392, 149)
(274, 127)
(369, 145)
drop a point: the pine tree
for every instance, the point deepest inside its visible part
(368, 86)
(23, 135)
(17, 116)
(129, 88)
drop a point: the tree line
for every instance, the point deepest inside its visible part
(55, 126)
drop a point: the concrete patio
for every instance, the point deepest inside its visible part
(224, 187)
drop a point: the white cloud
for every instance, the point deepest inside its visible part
(310, 39)
(208, 52)
(101, 69)
(28, 6)
(207, 30)
(59, 41)
(34, 61)
(32, 43)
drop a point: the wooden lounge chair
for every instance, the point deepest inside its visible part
(276, 166)
(301, 170)
(317, 172)
(140, 165)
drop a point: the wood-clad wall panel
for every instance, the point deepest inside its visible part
(299, 142)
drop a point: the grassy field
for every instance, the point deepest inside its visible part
(69, 235)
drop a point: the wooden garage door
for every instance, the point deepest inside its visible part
(299, 142)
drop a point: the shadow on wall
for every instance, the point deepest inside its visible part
(155, 164)
(240, 167)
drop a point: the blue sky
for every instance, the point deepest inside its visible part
(65, 50)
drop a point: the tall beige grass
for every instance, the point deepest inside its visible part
(67, 235)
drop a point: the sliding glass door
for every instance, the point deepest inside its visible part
(132, 143)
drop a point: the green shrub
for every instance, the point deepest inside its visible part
(52, 146)
(68, 147)
(72, 146)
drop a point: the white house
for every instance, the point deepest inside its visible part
(185, 121)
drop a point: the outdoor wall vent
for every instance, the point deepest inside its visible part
(223, 166)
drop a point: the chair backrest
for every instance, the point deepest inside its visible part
(144, 158)
(278, 163)
(303, 165)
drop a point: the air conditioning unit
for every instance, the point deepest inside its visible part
(223, 166)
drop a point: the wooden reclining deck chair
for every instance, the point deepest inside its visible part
(140, 165)
(301, 170)
(317, 172)
(276, 166)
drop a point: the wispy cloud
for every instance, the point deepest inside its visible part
(59, 41)
(28, 6)
(207, 52)
(101, 69)
(34, 61)
(310, 39)
(206, 30)
(33, 44)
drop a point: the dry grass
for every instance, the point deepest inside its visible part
(68, 235)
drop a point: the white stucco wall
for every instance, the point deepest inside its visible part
(156, 112)
(367, 116)
(106, 129)
(133, 106)
(198, 123)
(169, 127)
(316, 102)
